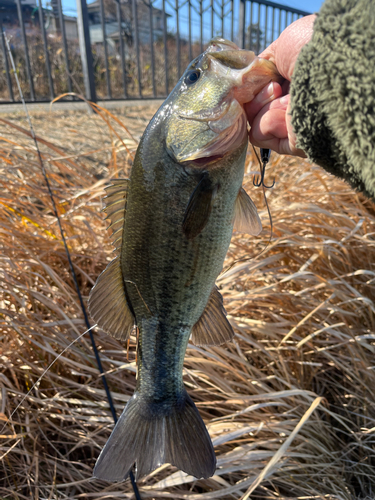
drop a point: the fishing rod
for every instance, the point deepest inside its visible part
(73, 273)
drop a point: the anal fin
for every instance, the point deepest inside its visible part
(213, 328)
(108, 305)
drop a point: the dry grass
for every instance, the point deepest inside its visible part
(303, 312)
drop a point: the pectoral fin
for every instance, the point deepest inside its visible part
(199, 208)
(213, 328)
(108, 305)
(246, 218)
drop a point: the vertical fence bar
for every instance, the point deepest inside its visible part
(201, 16)
(135, 19)
(241, 22)
(24, 40)
(251, 26)
(212, 18)
(273, 24)
(190, 49)
(45, 46)
(222, 18)
(280, 12)
(265, 29)
(9, 82)
(258, 30)
(152, 50)
(178, 41)
(85, 49)
(232, 21)
(165, 48)
(65, 45)
(104, 35)
(244, 25)
(122, 50)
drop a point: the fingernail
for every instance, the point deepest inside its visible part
(284, 100)
(266, 95)
(269, 91)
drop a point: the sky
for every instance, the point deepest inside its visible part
(69, 6)
(307, 5)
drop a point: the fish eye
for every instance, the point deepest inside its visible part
(192, 76)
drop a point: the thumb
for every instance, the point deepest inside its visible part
(290, 43)
(283, 52)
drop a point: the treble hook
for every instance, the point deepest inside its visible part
(265, 156)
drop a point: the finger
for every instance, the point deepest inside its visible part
(283, 52)
(290, 43)
(266, 95)
(270, 121)
(268, 125)
(272, 128)
(280, 146)
(269, 52)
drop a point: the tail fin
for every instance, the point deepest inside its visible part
(151, 434)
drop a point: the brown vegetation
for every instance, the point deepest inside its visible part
(303, 312)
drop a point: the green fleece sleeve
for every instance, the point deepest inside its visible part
(333, 93)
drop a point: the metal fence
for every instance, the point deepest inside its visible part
(116, 49)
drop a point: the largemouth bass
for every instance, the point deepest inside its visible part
(172, 225)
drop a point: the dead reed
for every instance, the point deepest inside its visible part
(289, 404)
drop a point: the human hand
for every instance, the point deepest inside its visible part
(269, 112)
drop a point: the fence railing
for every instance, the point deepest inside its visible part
(123, 49)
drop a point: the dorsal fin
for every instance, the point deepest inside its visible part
(246, 218)
(213, 328)
(115, 208)
(108, 305)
